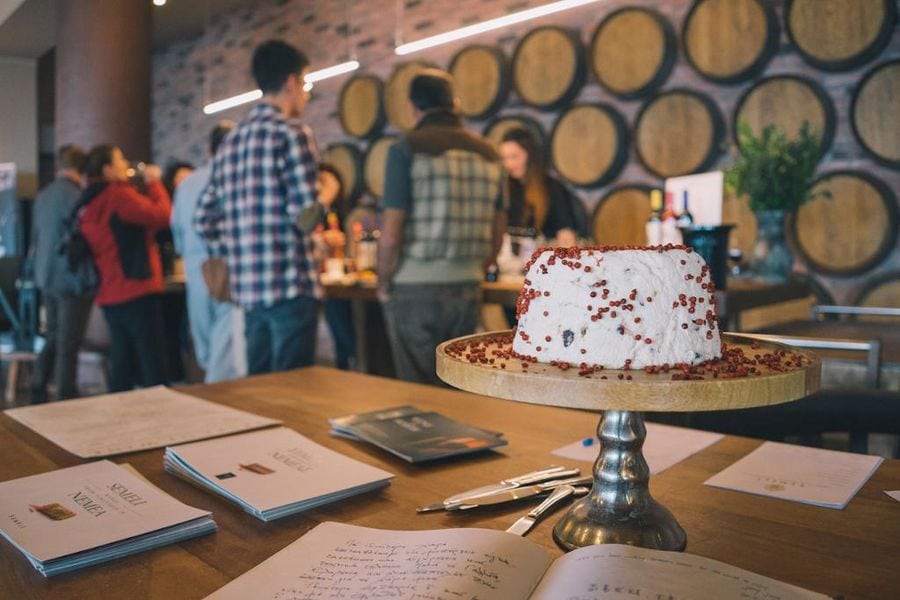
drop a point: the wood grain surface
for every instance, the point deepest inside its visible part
(480, 80)
(621, 216)
(728, 40)
(589, 144)
(548, 67)
(838, 34)
(360, 107)
(851, 231)
(541, 383)
(851, 552)
(876, 113)
(632, 51)
(375, 163)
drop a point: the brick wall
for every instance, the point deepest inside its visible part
(216, 65)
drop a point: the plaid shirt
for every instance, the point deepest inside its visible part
(263, 176)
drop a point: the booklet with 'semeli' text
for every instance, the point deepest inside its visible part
(336, 561)
(76, 517)
(274, 472)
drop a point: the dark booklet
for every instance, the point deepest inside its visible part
(416, 435)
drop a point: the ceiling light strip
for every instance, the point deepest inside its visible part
(490, 25)
(311, 78)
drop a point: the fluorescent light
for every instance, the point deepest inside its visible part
(490, 25)
(227, 103)
(311, 77)
(344, 67)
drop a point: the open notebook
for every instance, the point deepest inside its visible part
(273, 473)
(81, 516)
(344, 561)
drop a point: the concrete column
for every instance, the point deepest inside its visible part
(103, 73)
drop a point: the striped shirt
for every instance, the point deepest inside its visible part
(263, 176)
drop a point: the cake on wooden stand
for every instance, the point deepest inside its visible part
(743, 373)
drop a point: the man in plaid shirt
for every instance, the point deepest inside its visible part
(444, 219)
(263, 178)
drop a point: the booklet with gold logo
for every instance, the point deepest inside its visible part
(81, 516)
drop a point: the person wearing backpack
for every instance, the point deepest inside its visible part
(119, 224)
(67, 296)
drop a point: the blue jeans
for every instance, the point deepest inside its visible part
(339, 315)
(281, 336)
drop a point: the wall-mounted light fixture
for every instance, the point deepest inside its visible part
(489, 25)
(311, 78)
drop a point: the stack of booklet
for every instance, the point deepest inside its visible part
(415, 435)
(81, 516)
(274, 472)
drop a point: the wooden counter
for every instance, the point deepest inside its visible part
(853, 552)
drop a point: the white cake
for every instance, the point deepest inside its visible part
(618, 307)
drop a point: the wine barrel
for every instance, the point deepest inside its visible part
(840, 35)
(621, 216)
(728, 41)
(347, 159)
(633, 51)
(883, 291)
(548, 67)
(875, 113)
(853, 230)
(497, 128)
(589, 144)
(787, 101)
(678, 132)
(375, 163)
(480, 80)
(396, 94)
(360, 107)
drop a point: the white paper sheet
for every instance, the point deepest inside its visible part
(665, 446)
(808, 475)
(131, 421)
(894, 494)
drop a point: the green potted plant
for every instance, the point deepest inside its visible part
(776, 173)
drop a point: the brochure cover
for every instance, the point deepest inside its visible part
(415, 435)
(274, 472)
(72, 518)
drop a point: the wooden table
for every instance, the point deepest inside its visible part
(745, 294)
(853, 552)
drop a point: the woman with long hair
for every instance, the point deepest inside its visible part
(537, 201)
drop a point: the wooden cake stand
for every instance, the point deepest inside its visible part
(619, 508)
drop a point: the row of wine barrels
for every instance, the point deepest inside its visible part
(840, 35)
(850, 226)
(875, 113)
(633, 51)
(727, 41)
(787, 101)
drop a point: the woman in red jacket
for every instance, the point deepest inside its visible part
(119, 224)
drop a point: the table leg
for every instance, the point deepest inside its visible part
(619, 508)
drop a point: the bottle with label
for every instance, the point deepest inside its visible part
(670, 233)
(367, 259)
(653, 228)
(685, 219)
(336, 251)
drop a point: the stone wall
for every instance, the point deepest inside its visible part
(189, 75)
